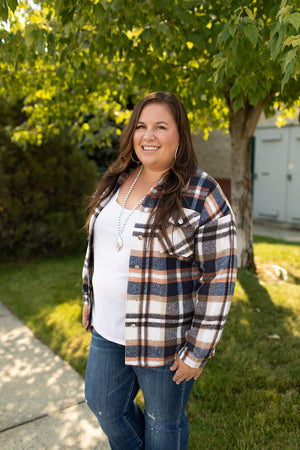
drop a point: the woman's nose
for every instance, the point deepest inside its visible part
(149, 134)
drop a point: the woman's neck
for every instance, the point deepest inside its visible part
(152, 177)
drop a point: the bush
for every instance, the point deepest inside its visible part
(41, 197)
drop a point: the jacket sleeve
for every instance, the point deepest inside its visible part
(216, 259)
(88, 265)
(86, 278)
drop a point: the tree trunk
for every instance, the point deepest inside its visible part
(242, 126)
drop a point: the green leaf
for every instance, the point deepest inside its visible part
(76, 60)
(250, 13)
(292, 40)
(285, 79)
(31, 33)
(276, 43)
(238, 103)
(251, 32)
(253, 83)
(289, 57)
(255, 97)
(294, 19)
(146, 34)
(3, 12)
(12, 4)
(164, 29)
(232, 26)
(247, 20)
(99, 12)
(244, 84)
(219, 63)
(223, 36)
(66, 12)
(274, 39)
(235, 90)
(5, 5)
(219, 76)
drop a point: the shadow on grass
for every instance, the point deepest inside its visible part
(296, 280)
(247, 395)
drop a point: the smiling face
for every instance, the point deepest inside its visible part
(156, 137)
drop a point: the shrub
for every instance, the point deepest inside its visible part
(41, 197)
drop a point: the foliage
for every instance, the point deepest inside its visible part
(5, 6)
(73, 58)
(247, 396)
(100, 142)
(227, 61)
(256, 77)
(285, 42)
(41, 195)
(60, 85)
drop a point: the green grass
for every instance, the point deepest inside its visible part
(248, 395)
(46, 295)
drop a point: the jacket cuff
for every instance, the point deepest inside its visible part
(86, 300)
(188, 358)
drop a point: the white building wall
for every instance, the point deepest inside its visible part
(276, 185)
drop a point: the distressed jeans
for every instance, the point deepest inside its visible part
(110, 390)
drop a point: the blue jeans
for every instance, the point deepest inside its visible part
(110, 390)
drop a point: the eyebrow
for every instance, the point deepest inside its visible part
(161, 121)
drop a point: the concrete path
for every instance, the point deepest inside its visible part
(282, 231)
(41, 397)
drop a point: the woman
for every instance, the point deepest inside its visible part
(158, 279)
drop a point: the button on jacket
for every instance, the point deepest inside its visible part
(180, 287)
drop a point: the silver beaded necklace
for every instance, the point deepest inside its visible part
(119, 242)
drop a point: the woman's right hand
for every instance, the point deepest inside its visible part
(85, 318)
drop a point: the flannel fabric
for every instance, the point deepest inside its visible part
(180, 287)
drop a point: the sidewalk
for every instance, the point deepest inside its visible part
(283, 231)
(42, 398)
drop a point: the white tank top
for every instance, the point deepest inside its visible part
(111, 267)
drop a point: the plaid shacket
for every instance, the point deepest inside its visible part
(180, 288)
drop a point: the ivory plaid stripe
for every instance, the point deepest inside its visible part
(179, 288)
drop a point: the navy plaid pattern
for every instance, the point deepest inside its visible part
(180, 287)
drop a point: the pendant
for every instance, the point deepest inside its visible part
(119, 243)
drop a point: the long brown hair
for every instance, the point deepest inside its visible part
(183, 167)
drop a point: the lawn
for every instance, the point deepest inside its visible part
(248, 395)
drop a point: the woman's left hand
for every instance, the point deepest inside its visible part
(183, 371)
(85, 318)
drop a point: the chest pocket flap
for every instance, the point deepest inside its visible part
(180, 236)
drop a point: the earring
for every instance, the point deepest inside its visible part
(176, 151)
(134, 159)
